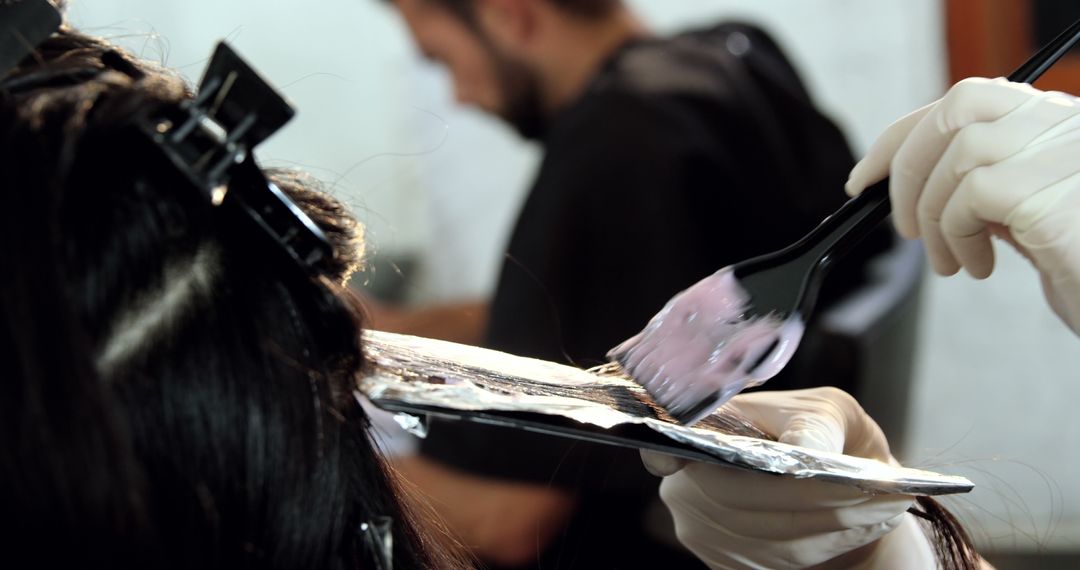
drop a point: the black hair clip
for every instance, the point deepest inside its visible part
(24, 24)
(210, 141)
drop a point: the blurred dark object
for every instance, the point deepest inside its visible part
(1050, 16)
(987, 38)
(1066, 560)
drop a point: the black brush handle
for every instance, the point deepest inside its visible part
(1046, 57)
(849, 225)
(858, 217)
(770, 276)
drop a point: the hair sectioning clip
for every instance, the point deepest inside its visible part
(24, 24)
(210, 141)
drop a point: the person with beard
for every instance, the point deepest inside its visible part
(664, 161)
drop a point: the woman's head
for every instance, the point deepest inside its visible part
(174, 391)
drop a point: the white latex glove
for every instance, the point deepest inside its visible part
(990, 158)
(731, 518)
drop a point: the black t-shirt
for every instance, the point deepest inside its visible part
(679, 159)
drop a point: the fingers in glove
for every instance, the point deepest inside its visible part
(722, 550)
(880, 517)
(1002, 193)
(661, 464)
(875, 165)
(732, 488)
(969, 102)
(972, 147)
(972, 154)
(824, 419)
(813, 412)
(965, 232)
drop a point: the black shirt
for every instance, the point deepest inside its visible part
(679, 159)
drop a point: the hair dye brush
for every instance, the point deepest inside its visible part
(740, 326)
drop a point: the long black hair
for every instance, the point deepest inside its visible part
(172, 392)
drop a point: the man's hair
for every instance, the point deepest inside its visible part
(582, 8)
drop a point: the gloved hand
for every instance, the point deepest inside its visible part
(990, 158)
(730, 518)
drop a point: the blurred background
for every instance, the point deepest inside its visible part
(991, 396)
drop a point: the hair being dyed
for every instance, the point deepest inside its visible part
(174, 393)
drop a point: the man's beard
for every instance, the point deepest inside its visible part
(522, 107)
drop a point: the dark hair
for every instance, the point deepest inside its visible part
(174, 393)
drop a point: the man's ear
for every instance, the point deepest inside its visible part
(511, 24)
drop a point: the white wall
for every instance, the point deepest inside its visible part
(346, 64)
(994, 388)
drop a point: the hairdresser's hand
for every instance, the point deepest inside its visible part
(730, 518)
(990, 158)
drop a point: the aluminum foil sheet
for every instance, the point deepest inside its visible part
(406, 373)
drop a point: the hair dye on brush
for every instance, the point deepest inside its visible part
(702, 348)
